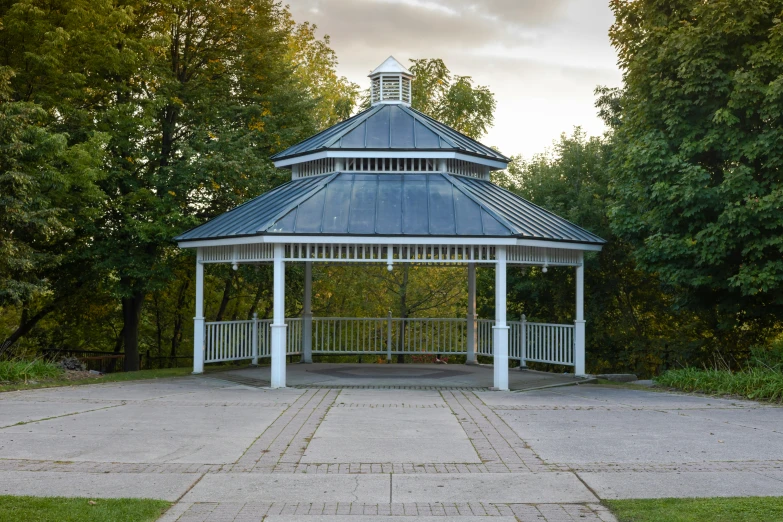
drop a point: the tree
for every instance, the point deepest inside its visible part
(454, 101)
(315, 68)
(698, 150)
(634, 323)
(47, 193)
(190, 97)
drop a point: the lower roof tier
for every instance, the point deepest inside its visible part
(391, 205)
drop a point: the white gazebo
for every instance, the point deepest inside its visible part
(390, 185)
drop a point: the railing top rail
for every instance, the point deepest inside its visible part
(543, 324)
(248, 321)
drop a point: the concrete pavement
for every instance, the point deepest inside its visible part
(434, 448)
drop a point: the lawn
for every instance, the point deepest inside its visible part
(738, 509)
(110, 377)
(60, 509)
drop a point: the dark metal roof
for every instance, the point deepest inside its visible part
(391, 205)
(391, 127)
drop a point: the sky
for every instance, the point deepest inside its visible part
(541, 58)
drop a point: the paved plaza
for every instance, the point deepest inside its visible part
(408, 444)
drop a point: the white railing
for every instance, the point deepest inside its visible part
(529, 342)
(484, 336)
(228, 341)
(252, 339)
(439, 336)
(548, 343)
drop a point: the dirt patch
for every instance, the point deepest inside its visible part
(78, 375)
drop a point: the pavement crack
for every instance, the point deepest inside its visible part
(61, 416)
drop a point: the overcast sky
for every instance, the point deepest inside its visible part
(541, 58)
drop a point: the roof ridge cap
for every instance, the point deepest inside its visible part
(462, 134)
(492, 212)
(298, 201)
(352, 126)
(416, 115)
(542, 209)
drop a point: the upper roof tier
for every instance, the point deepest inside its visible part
(390, 130)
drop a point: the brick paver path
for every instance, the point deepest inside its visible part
(495, 430)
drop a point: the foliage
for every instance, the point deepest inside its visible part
(453, 100)
(47, 193)
(732, 509)
(751, 383)
(632, 322)
(17, 370)
(48, 509)
(698, 150)
(130, 123)
(314, 66)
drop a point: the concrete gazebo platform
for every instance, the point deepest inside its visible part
(398, 376)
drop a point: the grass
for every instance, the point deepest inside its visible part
(761, 384)
(109, 377)
(17, 370)
(60, 509)
(737, 509)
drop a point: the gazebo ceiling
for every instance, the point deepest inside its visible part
(395, 205)
(392, 127)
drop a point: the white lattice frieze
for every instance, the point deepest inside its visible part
(245, 253)
(527, 255)
(400, 253)
(368, 253)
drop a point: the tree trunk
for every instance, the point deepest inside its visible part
(179, 320)
(26, 325)
(226, 297)
(403, 310)
(131, 316)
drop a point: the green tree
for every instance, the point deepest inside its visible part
(453, 100)
(698, 150)
(315, 66)
(633, 321)
(47, 193)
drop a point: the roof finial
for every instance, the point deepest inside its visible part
(390, 83)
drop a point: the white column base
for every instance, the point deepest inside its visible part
(500, 357)
(579, 349)
(198, 345)
(278, 355)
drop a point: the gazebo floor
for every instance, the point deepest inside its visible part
(396, 376)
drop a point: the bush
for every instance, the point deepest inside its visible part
(17, 370)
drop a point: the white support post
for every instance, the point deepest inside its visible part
(500, 330)
(307, 315)
(472, 330)
(523, 344)
(198, 320)
(278, 320)
(389, 337)
(254, 362)
(579, 323)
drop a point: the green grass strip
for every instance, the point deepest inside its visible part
(735, 509)
(61, 509)
(16, 370)
(761, 384)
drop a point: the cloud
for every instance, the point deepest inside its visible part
(541, 58)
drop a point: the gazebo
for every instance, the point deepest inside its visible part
(390, 185)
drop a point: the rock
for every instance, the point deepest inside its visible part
(618, 377)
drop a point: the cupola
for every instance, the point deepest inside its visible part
(390, 83)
